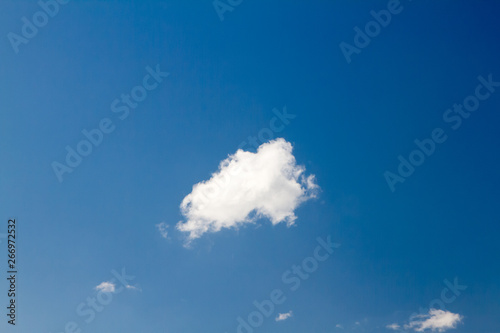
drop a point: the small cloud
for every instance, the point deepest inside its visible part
(133, 288)
(284, 316)
(436, 320)
(247, 186)
(162, 228)
(394, 327)
(357, 323)
(107, 287)
(339, 326)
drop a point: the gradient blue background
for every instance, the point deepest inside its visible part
(353, 120)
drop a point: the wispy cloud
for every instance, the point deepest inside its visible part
(393, 327)
(284, 316)
(130, 287)
(107, 287)
(248, 185)
(163, 229)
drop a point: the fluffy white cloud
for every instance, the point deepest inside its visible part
(107, 287)
(284, 316)
(436, 320)
(248, 185)
(162, 228)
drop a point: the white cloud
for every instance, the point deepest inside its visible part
(107, 287)
(284, 316)
(128, 286)
(339, 326)
(162, 228)
(436, 320)
(248, 185)
(393, 326)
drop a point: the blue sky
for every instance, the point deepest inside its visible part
(227, 80)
